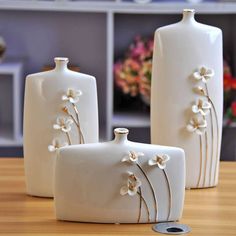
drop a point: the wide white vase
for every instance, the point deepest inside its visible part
(119, 182)
(60, 109)
(187, 95)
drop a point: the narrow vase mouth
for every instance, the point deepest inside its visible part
(61, 59)
(121, 131)
(189, 10)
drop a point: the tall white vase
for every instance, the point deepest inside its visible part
(60, 109)
(187, 95)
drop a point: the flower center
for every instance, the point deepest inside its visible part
(131, 186)
(159, 160)
(132, 156)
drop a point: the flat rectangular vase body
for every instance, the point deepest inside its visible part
(187, 95)
(119, 182)
(60, 109)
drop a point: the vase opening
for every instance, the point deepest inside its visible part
(121, 134)
(61, 62)
(188, 15)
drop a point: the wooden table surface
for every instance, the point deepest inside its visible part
(208, 211)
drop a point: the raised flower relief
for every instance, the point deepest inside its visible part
(197, 125)
(204, 74)
(201, 106)
(72, 95)
(56, 144)
(159, 160)
(132, 186)
(63, 124)
(132, 157)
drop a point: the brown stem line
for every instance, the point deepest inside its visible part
(145, 203)
(206, 157)
(200, 172)
(212, 135)
(81, 136)
(170, 195)
(152, 189)
(68, 138)
(140, 205)
(217, 140)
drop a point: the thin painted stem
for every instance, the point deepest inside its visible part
(200, 172)
(170, 194)
(81, 136)
(140, 205)
(217, 134)
(212, 135)
(206, 157)
(152, 189)
(68, 138)
(145, 203)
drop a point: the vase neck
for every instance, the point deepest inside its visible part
(121, 135)
(61, 63)
(188, 16)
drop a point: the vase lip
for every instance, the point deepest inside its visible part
(121, 131)
(61, 59)
(187, 10)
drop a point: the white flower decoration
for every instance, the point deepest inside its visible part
(202, 107)
(197, 125)
(72, 95)
(131, 188)
(204, 74)
(63, 124)
(56, 145)
(159, 160)
(132, 157)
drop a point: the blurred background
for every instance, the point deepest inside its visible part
(112, 40)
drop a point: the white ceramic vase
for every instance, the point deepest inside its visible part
(60, 109)
(187, 95)
(119, 182)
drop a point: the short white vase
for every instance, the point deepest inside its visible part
(60, 109)
(119, 182)
(187, 95)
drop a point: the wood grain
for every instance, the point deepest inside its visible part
(207, 211)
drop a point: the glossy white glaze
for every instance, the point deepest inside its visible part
(43, 104)
(88, 180)
(179, 50)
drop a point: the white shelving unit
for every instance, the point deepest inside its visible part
(10, 104)
(113, 12)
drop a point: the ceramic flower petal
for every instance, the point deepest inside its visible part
(161, 166)
(124, 190)
(166, 158)
(64, 98)
(200, 131)
(151, 162)
(125, 158)
(51, 148)
(195, 109)
(190, 128)
(56, 126)
(197, 76)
